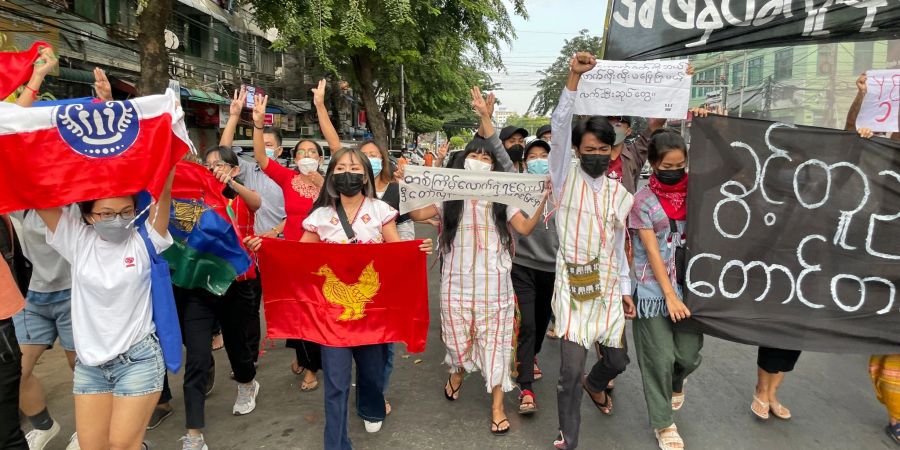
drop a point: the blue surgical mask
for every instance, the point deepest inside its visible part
(270, 152)
(538, 166)
(376, 165)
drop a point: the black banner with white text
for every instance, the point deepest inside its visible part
(652, 29)
(794, 236)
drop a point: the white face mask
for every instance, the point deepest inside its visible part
(477, 165)
(308, 165)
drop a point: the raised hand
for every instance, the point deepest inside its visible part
(319, 94)
(865, 133)
(259, 110)
(690, 70)
(101, 85)
(442, 151)
(861, 84)
(45, 62)
(237, 102)
(491, 100)
(478, 102)
(582, 62)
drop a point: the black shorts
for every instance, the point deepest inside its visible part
(774, 360)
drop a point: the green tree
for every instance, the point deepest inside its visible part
(444, 46)
(457, 142)
(528, 122)
(554, 77)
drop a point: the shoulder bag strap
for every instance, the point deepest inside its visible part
(342, 215)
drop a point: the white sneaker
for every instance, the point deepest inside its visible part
(189, 442)
(246, 398)
(38, 439)
(73, 443)
(372, 427)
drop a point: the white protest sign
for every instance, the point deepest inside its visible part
(423, 186)
(635, 88)
(882, 101)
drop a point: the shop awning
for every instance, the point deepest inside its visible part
(76, 75)
(209, 8)
(198, 95)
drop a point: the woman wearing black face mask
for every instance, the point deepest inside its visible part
(666, 355)
(348, 194)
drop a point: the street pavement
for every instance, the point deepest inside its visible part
(830, 396)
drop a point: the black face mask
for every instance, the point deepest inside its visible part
(670, 176)
(516, 152)
(594, 165)
(348, 183)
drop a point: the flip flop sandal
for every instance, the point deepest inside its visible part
(220, 345)
(894, 432)
(309, 387)
(527, 408)
(387, 408)
(677, 401)
(296, 369)
(453, 395)
(537, 371)
(778, 410)
(498, 431)
(605, 407)
(764, 405)
(669, 439)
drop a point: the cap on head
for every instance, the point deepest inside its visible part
(507, 132)
(536, 143)
(542, 131)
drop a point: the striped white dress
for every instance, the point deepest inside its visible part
(587, 300)
(478, 305)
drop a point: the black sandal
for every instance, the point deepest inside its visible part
(605, 407)
(453, 392)
(498, 431)
(894, 432)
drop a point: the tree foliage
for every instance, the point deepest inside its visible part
(457, 142)
(421, 123)
(445, 46)
(528, 122)
(554, 77)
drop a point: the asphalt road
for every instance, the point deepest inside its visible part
(830, 396)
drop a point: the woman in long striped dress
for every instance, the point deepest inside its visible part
(477, 299)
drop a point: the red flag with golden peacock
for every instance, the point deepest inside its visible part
(344, 295)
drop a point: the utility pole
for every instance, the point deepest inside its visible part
(403, 107)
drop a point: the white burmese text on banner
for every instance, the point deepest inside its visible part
(423, 186)
(635, 88)
(879, 108)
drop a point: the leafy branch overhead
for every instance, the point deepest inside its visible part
(445, 46)
(554, 77)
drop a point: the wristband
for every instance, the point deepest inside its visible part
(259, 128)
(34, 93)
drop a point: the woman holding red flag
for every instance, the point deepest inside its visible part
(349, 193)
(666, 354)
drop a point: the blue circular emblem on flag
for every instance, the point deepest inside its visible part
(98, 130)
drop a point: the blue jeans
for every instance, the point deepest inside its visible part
(337, 363)
(388, 364)
(137, 372)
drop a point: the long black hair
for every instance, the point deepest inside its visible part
(328, 195)
(453, 209)
(663, 141)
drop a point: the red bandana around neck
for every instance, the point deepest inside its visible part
(615, 169)
(673, 198)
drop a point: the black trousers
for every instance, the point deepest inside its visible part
(11, 436)
(534, 292)
(198, 311)
(309, 354)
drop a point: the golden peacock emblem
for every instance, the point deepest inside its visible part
(353, 297)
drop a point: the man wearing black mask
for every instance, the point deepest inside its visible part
(513, 139)
(592, 298)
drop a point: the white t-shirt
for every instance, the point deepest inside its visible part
(111, 308)
(371, 216)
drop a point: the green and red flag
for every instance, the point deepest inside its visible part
(344, 295)
(207, 252)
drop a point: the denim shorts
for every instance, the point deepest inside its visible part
(41, 324)
(139, 371)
